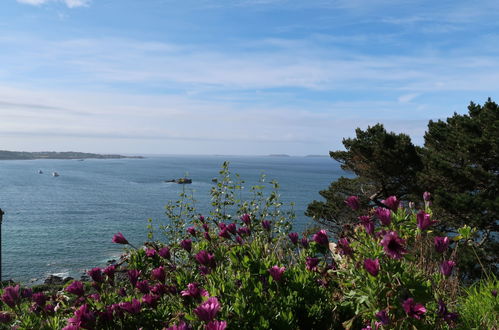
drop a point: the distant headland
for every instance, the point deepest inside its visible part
(20, 155)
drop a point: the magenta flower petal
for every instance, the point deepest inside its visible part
(186, 244)
(413, 309)
(446, 267)
(353, 202)
(441, 243)
(391, 202)
(372, 266)
(119, 239)
(393, 245)
(384, 215)
(75, 288)
(424, 220)
(321, 238)
(11, 296)
(216, 325)
(208, 309)
(276, 272)
(293, 237)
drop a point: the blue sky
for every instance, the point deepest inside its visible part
(236, 77)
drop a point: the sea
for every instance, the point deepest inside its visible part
(64, 225)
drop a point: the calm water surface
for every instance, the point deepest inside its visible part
(64, 225)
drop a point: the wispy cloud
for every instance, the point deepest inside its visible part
(68, 3)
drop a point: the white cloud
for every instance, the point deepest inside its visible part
(68, 3)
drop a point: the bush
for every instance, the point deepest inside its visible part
(479, 307)
(241, 266)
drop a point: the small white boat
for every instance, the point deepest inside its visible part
(55, 174)
(40, 172)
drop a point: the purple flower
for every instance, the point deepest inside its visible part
(224, 233)
(109, 271)
(71, 327)
(392, 203)
(494, 293)
(239, 240)
(216, 325)
(96, 274)
(424, 220)
(445, 314)
(150, 300)
(119, 239)
(194, 290)
(192, 231)
(244, 231)
(441, 243)
(232, 228)
(222, 226)
(164, 252)
(293, 237)
(206, 227)
(5, 317)
(186, 244)
(321, 238)
(208, 309)
(207, 236)
(181, 326)
(75, 288)
(246, 218)
(150, 253)
(367, 223)
(122, 292)
(133, 276)
(413, 309)
(83, 317)
(11, 296)
(266, 225)
(143, 286)
(39, 298)
(384, 215)
(132, 307)
(201, 218)
(446, 267)
(26, 293)
(353, 202)
(372, 266)
(205, 258)
(393, 245)
(276, 272)
(426, 196)
(159, 274)
(382, 315)
(311, 263)
(304, 242)
(344, 247)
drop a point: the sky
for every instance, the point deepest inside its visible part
(239, 77)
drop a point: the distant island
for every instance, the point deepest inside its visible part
(278, 155)
(317, 156)
(19, 155)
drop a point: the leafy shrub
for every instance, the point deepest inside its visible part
(242, 266)
(479, 306)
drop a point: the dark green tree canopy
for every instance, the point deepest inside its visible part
(385, 163)
(458, 164)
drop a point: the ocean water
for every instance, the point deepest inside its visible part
(64, 225)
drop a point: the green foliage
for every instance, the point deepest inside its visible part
(479, 306)
(459, 165)
(384, 163)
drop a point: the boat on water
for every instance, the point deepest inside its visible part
(180, 181)
(55, 174)
(40, 172)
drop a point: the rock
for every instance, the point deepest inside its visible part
(54, 280)
(111, 262)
